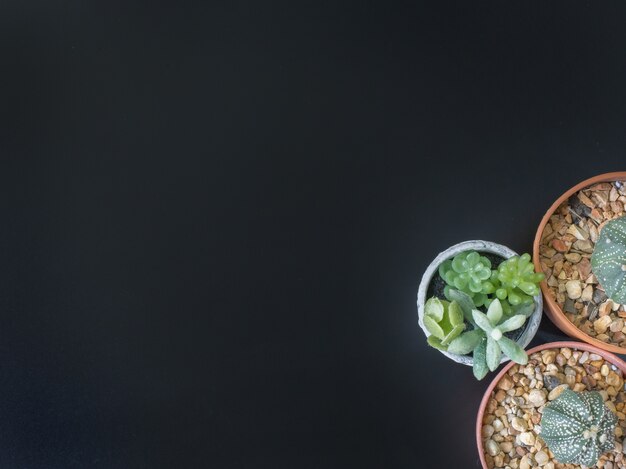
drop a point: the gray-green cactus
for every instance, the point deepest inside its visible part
(608, 261)
(444, 321)
(578, 427)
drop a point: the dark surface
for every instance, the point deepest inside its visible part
(215, 217)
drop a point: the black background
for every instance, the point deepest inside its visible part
(215, 216)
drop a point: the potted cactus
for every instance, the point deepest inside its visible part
(479, 304)
(578, 427)
(580, 248)
(608, 260)
(562, 407)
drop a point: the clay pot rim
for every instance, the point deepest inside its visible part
(554, 312)
(532, 323)
(569, 344)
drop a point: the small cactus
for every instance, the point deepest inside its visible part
(444, 321)
(578, 428)
(608, 260)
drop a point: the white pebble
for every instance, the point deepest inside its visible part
(527, 438)
(492, 447)
(537, 397)
(541, 458)
(519, 424)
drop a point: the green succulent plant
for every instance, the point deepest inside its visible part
(517, 281)
(470, 273)
(487, 340)
(444, 321)
(608, 261)
(578, 428)
(497, 343)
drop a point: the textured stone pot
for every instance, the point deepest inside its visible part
(553, 310)
(532, 324)
(573, 345)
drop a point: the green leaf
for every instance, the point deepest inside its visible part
(472, 258)
(465, 302)
(525, 309)
(449, 277)
(488, 288)
(455, 314)
(529, 288)
(436, 343)
(460, 282)
(482, 321)
(454, 333)
(466, 342)
(444, 267)
(513, 323)
(479, 299)
(459, 264)
(475, 285)
(513, 351)
(483, 274)
(494, 312)
(506, 308)
(433, 327)
(514, 298)
(480, 364)
(493, 354)
(434, 308)
(608, 261)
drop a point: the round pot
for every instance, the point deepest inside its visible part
(573, 345)
(532, 324)
(554, 311)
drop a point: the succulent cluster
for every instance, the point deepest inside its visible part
(470, 273)
(444, 321)
(608, 260)
(517, 281)
(504, 294)
(578, 428)
(514, 282)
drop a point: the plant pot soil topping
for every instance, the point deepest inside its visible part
(565, 252)
(511, 430)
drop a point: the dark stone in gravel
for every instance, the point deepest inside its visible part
(593, 311)
(568, 306)
(598, 296)
(550, 382)
(579, 209)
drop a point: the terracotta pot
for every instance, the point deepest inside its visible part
(532, 324)
(554, 312)
(573, 345)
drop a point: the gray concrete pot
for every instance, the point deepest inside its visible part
(532, 324)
